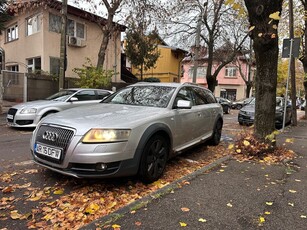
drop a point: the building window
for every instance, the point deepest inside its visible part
(34, 24)
(201, 72)
(13, 68)
(12, 33)
(230, 71)
(55, 23)
(75, 29)
(55, 66)
(34, 64)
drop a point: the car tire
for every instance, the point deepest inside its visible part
(227, 111)
(217, 133)
(154, 158)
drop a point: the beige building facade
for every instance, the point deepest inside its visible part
(31, 41)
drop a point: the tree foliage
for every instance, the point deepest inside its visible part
(91, 76)
(4, 16)
(142, 50)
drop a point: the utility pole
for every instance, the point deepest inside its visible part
(292, 68)
(197, 42)
(63, 55)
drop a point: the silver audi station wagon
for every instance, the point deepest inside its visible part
(132, 132)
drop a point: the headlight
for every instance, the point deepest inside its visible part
(106, 135)
(27, 111)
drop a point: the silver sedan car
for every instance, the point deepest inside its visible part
(30, 113)
(132, 132)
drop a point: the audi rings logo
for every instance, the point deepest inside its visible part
(50, 136)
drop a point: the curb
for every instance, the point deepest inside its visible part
(138, 204)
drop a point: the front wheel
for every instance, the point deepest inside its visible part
(154, 158)
(227, 110)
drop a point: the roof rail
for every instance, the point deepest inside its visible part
(190, 83)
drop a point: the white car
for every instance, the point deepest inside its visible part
(28, 114)
(133, 131)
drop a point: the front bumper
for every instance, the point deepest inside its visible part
(245, 119)
(15, 119)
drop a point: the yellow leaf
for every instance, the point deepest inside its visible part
(267, 213)
(289, 140)
(36, 198)
(182, 224)
(275, 27)
(15, 215)
(92, 208)
(112, 205)
(261, 219)
(185, 209)
(58, 192)
(292, 191)
(229, 205)
(238, 150)
(297, 180)
(269, 203)
(251, 28)
(116, 226)
(260, 35)
(246, 143)
(229, 2)
(291, 204)
(275, 16)
(222, 170)
(202, 220)
(303, 216)
(47, 217)
(231, 146)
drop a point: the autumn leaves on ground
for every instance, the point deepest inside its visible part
(67, 203)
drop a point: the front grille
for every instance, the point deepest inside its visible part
(11, 112)
(62, 141)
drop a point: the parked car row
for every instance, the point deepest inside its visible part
(247, 113)
(131, 132)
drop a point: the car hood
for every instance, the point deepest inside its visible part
(37, 104)
(248, 108)
(104, 116)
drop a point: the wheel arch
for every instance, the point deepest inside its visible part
(152, 130)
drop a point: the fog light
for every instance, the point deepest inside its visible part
(101, 166)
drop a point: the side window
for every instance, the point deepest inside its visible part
(203, 96)
(185, 94)
(102, 94)
(86, 95)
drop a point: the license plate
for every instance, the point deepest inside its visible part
(48, 151)
(10, 116)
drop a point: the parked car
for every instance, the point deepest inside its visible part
(132, 132)
(303, 106)
(225, 103)
(28, 114)
(247, 113)
(241, 103)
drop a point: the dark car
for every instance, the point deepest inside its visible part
(303, 106)
(247, 113)
(225, 103)
(241, 103)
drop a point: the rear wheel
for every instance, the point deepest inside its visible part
(217, 133)
(154, 158)
(227, 110)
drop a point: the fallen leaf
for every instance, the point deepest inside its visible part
(267, 213)
(251, 28)
(261, 219)
(269, 203)
(230, 146)
(116, 227)
(182, 224)
(8, 189)
(292, 191)
(291, 204)
(58, 192)
(202, 220)
(229, 205)
(15, 215)
(303, 216)
(246, 143)
(185, 209)
(138, 223)
(275, 16)
(297, 180)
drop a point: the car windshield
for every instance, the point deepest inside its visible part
(63, 95)
(279, 101)
(154, 96)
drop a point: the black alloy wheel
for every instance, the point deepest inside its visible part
(154, 158)
(217, 133)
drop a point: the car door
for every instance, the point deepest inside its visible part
(207, 109)
(85, 97)
(185, 120)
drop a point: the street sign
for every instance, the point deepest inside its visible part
(287, 47)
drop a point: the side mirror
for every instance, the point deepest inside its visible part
(183, 104)
(73, 99)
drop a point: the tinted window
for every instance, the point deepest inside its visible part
(86, 95)
(185, 94)
(204, 96)
(102, 94)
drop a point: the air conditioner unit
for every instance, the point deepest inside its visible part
(74, 41)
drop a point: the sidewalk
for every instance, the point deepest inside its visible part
(233, 195)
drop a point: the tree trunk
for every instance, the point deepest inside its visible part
(265, 43)
(249, 86)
